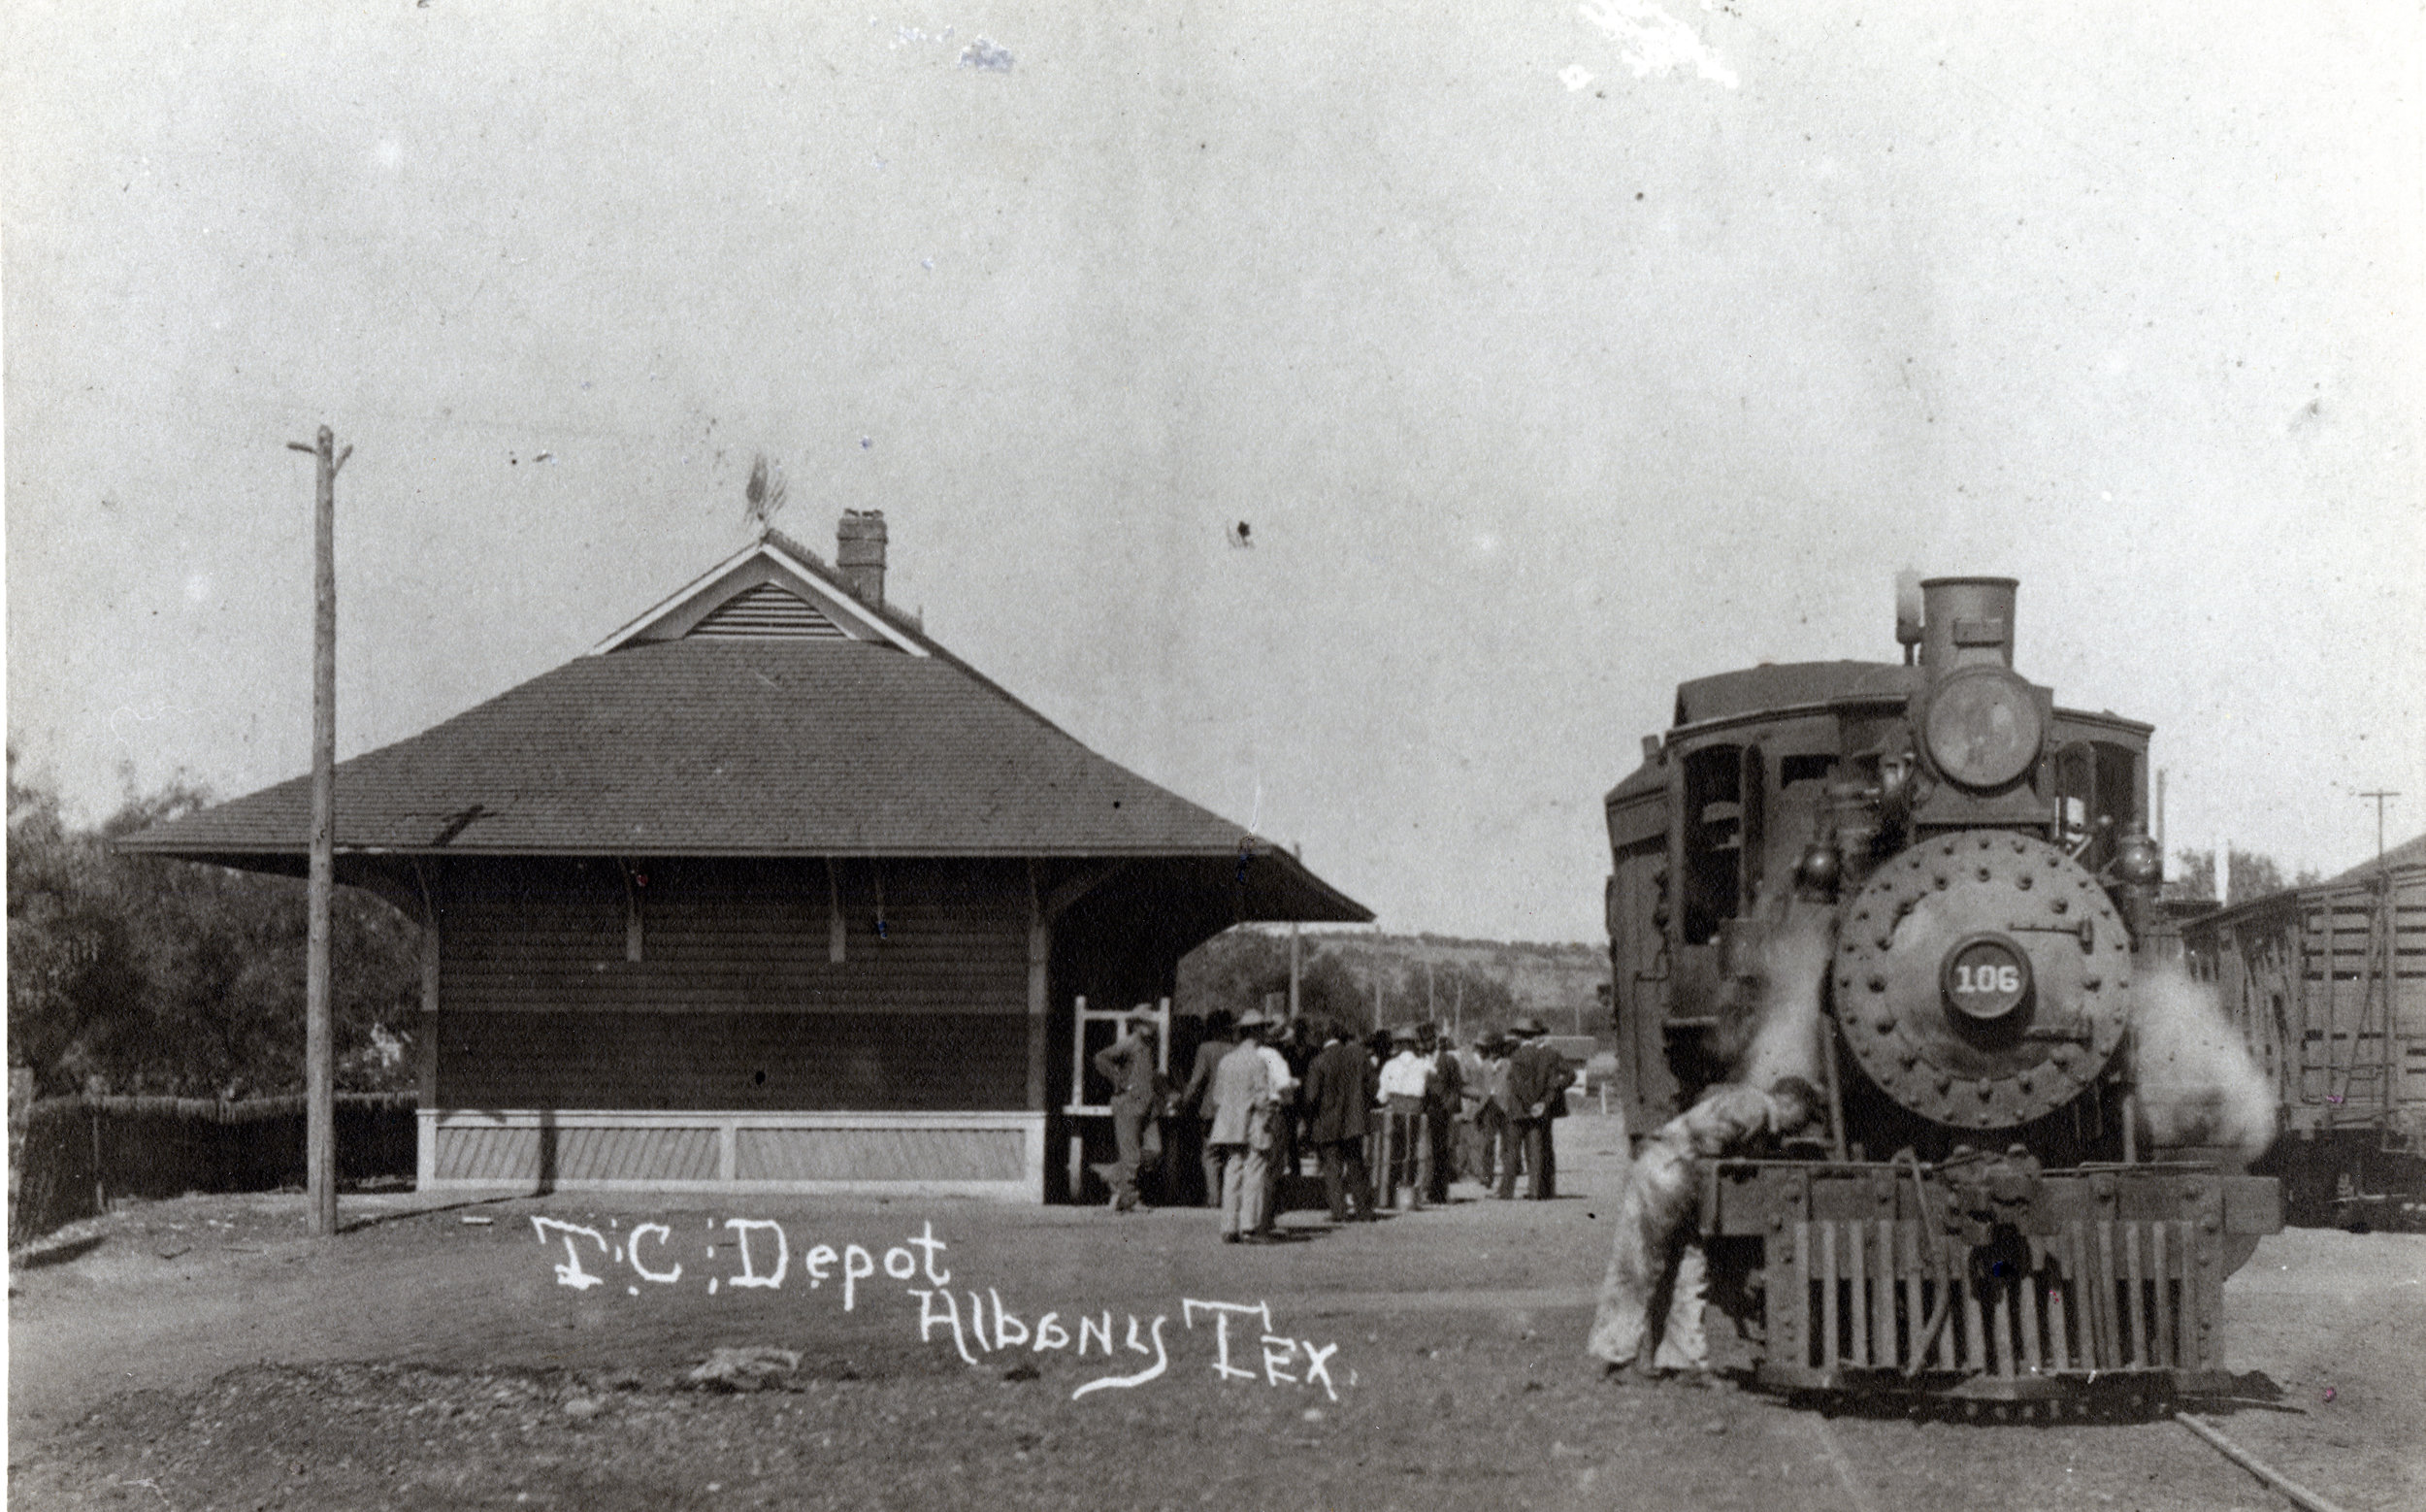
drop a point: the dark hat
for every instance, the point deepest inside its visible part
(1403, 1034)
(1529, 1028)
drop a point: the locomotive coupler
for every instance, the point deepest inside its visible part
(1986, 1194)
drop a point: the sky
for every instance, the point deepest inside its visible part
(1552, 354)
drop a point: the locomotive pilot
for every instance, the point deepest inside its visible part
(1657, 1236)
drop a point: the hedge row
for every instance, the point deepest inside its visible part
(72, 1155)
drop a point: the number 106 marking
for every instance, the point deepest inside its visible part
(1988, 978)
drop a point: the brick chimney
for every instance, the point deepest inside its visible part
(859, 551)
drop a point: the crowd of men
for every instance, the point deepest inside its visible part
(1403, 1110)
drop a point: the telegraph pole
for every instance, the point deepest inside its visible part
(320, 1048)
(2380, 795)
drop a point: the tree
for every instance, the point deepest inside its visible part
(2254, 875)
(143, 975)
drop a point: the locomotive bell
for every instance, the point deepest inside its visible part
(1983, 979)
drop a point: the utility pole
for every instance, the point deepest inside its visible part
(2380, 795)
(319, 1049)
(1299, 850)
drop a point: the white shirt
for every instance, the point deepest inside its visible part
(1406, 1075)
(1278, 1064)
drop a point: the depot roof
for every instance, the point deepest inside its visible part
(761, 710)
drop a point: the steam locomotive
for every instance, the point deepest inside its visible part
(1930, 891)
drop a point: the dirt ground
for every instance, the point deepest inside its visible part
(206, 1353)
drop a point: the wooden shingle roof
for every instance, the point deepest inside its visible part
(809, 745)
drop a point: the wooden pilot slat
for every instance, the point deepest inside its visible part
(1975, 1328)
(2102, 1281)
(2165, 1294)
(1915, 1317)
(1827, 1296)
(1883, 1297)
(2193, 1304)
(2001, 1323)
(1951, 1330)
(2059, 1269)
(2137, 1309)
(2028, 1306)
(1801, 1303)
(1857, 1292)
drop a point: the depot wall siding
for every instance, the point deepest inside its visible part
(735, 1002)
(743, 1061)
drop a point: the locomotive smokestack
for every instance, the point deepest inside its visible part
(1966, 623)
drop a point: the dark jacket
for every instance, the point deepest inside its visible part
(1128, 1064)
(1448, 1083)
(1538, 1073)
(1339, 1092)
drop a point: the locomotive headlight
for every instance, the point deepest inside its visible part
(1983, 727)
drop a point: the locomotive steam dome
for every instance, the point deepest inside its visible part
(1983, 980)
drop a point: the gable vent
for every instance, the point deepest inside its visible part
(768, 612)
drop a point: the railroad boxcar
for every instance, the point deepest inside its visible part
(2327, 984)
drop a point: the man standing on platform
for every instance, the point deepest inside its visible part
(1279, 1150)
(1239, 1140)
(1538, 1079)
(1443, 1100)
(1339, 1092)
(1221, 1036)
(1406, 1081)
(1129, 1063)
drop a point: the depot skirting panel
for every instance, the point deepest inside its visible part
(978, 1154)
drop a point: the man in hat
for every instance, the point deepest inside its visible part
(1538, 1079)
(1221, 1036)
(1130, 1064)
(1658, 1238)
(1280, 1149)
(1339, 1092)
(1406, 1081)
(1497, 1134)
(1238, 1141)
(1443, 1098)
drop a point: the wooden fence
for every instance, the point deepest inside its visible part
(69, 1157)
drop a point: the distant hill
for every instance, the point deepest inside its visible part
(1559, 982)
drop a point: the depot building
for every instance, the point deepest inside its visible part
(770, 891)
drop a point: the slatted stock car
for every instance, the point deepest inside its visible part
(1988, 1213)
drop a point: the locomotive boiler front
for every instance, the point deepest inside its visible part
(1983, 979)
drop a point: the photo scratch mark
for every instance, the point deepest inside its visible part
(1653, 42)
(984, 55)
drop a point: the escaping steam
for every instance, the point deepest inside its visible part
(2197, 1083)
(1786, 1028)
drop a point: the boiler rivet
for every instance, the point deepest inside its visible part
(1878, 984)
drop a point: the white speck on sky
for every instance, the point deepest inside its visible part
(1653, 42)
